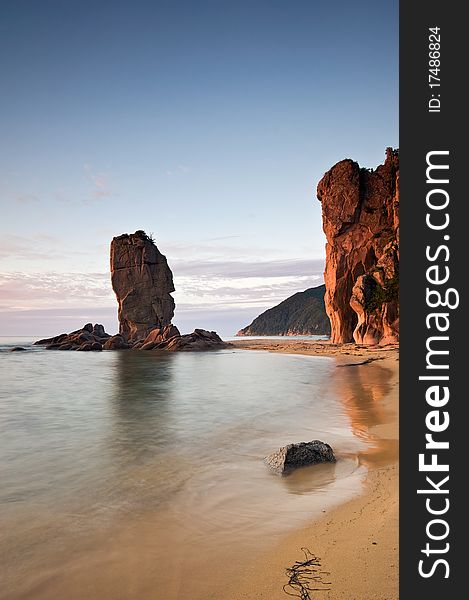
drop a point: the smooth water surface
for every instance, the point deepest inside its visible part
(114, 464)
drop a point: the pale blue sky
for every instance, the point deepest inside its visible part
(206, 123)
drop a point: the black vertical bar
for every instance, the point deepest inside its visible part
(423, 131)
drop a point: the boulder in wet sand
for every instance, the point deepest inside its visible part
(291, 457)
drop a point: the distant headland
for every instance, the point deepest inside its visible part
(303, 313)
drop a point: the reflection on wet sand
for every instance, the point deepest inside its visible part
(362, 390)
(141, 393)
(315, 478)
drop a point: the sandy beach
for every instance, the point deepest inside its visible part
(356, 542)
(319, 348)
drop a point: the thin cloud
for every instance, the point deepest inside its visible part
(46, 322)
(48, 302)
(213, 252)
(26, 248)
(62, 195)
(241, 269)
(100, 182)
(22, 291)
(178, 170)
(224, 237)
(208, 285)
(26, 199)
(101, 185)
(35, 247)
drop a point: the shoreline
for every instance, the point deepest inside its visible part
(357, 540)
(315, 347)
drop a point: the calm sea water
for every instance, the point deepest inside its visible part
(277, 337)
(96, 447)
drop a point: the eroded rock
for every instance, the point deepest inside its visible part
(361, 223)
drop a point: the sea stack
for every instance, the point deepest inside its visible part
(142, 282)
(361, 223)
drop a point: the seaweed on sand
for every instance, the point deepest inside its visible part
(305, 577)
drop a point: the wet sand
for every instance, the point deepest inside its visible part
(318, 348)
(356, 542)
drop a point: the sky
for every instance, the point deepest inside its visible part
(207, 124)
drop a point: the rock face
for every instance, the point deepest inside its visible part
(157, 336)
(299, 455)
(361, 223)
(303, 313)
(142, 282)
(115, 342)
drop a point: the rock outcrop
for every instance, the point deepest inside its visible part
(199, 339)
(94, 338)
(170, 339)
(361, 223)
(299, 455)
(142, 282)
(157, 336)
(89, 338)
(301, 314)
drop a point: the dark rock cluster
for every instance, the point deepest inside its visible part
(169, 338)
(89, 337)
(94, 338)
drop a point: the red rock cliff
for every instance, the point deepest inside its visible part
(142, 282)
(361, 223)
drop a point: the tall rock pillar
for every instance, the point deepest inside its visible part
(361, 223)
(142, 282)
